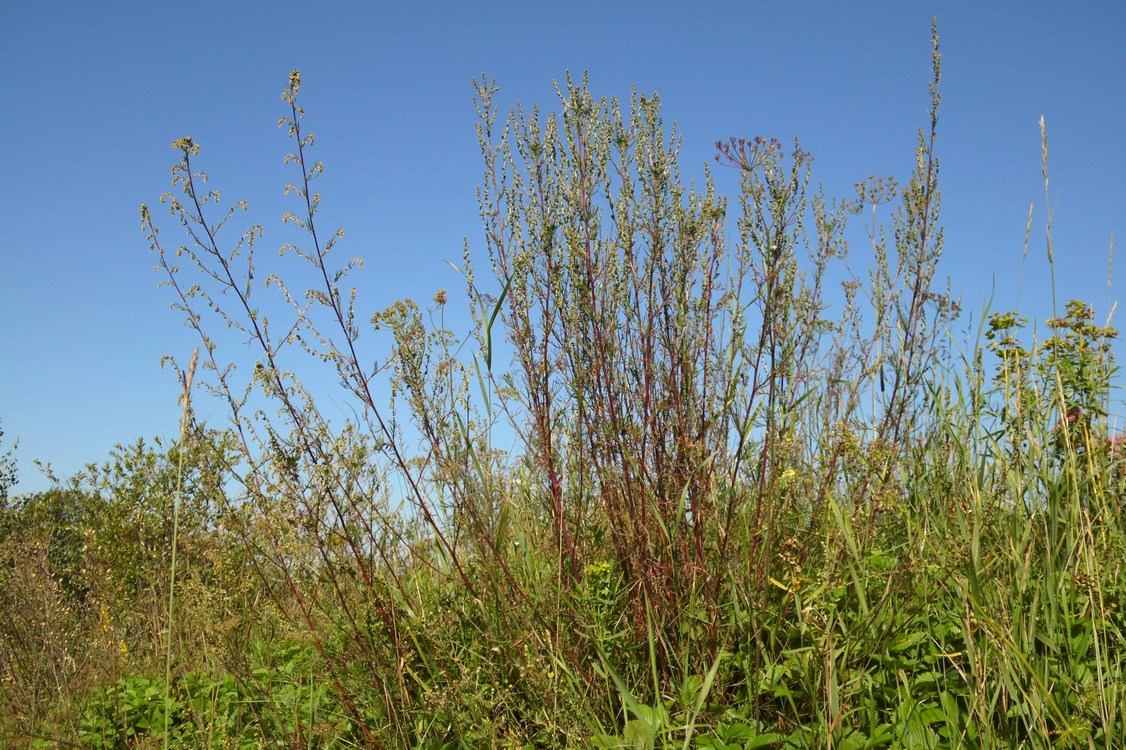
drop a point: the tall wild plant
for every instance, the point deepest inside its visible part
(733, 480)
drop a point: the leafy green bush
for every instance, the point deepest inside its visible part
(282, 703)
(84, 575)
(132, 709)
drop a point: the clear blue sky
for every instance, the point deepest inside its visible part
(95, 92)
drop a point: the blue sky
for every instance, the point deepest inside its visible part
(95, 93)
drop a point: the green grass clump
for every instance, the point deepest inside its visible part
(742, 511)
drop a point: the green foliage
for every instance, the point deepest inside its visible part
(281, 703)
(84, 574)
(127, 712)
(1079, 356)
(1069, 373)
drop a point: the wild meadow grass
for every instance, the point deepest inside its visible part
(749, 507)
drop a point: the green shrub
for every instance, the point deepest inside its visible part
(280, 703)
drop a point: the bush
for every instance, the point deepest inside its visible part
(281, 704)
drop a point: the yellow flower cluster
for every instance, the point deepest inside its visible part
(187, 145)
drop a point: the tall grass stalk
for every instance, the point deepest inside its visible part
(185, 417)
